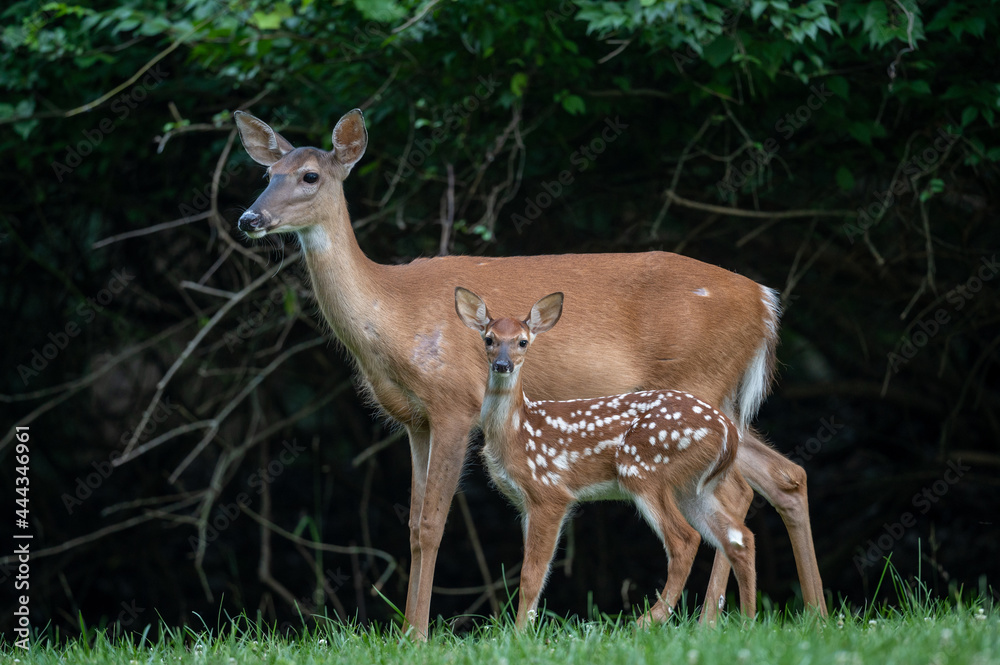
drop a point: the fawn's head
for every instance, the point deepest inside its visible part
(507, 339)
(297, 176)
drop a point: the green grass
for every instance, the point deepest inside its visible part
(918, 629)
(941, 634)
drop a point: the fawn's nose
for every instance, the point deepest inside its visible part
(503, 366)
(251, 220)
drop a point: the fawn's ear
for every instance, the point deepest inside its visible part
(350, 138)
(264, 145)
(545, 313)
(471, 309)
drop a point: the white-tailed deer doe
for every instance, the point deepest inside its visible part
(664, 450)
(655, 320)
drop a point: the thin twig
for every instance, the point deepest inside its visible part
(264, 563)
(100, 533)
(150, 229)
(448, 219)
(373, 449)
(336, 549)
(219, 293)
(793, 276)
(677, 176)
(754, 214)
(632, 92)
(416, 17)
(624, 45)
(114, 91)
(378, 93)
(398, 175)
(216, 217)
(488, 159)
(910, 47)
(477, 547)
(161, 141)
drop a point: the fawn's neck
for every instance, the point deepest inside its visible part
(503, 410)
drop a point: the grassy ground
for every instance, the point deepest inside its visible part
(936, 633)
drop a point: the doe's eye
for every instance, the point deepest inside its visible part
(310, 177)
(489, 341)
(523, 343)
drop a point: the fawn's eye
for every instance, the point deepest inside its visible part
(523, 343)
(489, 341)
(310, 177)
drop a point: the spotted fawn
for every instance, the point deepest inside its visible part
(664, 450)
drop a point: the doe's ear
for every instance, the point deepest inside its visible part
(264, 145)
(471, 309)
(545, 313)
(350, 138)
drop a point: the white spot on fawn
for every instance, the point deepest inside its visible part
(663, 435)
(561, 462)
(696, 409)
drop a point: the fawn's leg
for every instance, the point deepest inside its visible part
(681, 543)
(736, 493)
(737, 542)
(542, 524)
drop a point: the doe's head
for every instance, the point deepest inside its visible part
(507, 339)
(297, 176)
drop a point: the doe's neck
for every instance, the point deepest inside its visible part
(347, 283)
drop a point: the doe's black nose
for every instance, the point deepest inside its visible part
(251, 220)
(502, 366)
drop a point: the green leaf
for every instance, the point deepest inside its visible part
(862, 131)
(969, 115)
(976, 25)
(839, 86)
(518, 84)
(573, 104)
(720, 51)
(757, 8)
(290, 302)
(272, 20)
(845, 179)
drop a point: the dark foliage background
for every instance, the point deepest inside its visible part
(761, 136)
